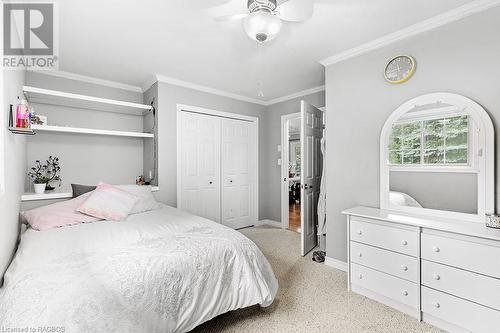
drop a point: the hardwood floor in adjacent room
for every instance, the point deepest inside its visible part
(294, 217)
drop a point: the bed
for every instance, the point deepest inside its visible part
(160, 271)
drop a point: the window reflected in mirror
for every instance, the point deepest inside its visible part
(432, 141)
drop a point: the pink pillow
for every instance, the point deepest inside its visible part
(60, 214)
(109, 202)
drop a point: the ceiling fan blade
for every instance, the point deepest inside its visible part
(233, 17)
(211, 3)
(230, 10)
(199, 4)
(296, 10)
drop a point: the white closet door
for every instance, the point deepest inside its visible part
(200, 165)
(238, 166)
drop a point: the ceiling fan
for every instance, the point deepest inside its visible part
(263, 18)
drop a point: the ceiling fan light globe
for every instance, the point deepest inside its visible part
(262, 26)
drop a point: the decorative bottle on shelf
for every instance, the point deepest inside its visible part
(31, 112)
(18, 113)
(25, 114)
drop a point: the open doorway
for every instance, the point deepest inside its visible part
(294, 164)
(290, 171)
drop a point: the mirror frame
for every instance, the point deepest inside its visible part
(485, 151)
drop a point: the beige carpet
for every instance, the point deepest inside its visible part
(312, 297)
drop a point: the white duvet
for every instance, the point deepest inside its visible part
(160, 271)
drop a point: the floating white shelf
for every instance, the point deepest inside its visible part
(47, 196)
(58, 194)
(54, 97)
(64, 129)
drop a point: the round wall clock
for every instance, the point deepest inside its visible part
(400, 69)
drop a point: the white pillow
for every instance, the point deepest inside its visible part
(146, 201)
(403, 199)
(109, 203)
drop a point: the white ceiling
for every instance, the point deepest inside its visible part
(130, 41)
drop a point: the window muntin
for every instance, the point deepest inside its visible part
(430, 142)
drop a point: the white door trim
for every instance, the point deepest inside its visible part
(223, 114)
(284, 167)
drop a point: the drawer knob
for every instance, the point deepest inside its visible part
(437, 305)
(436, 277)
(360, 232)
(360, 254)
(436, 249)
(404, 243)
(360, 276)
(404, 292)
(404, 268)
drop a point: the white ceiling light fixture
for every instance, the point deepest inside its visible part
(263, 18)
(262, 24)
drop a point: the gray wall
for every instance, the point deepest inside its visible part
(168, 98)
(270, 202)
(456, 58)
(452, 191)
(86, 159)
(14, 166)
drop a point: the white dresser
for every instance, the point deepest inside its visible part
(445, 272)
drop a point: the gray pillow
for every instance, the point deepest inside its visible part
(81, 189)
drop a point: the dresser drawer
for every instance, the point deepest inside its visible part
(389, 286)
(390, 238)
(399, 265)
(459, 312)
(474, 287)
(476, 257)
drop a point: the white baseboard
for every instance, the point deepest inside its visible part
(271, 223)
(340, 265)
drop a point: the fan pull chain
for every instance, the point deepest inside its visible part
(260, 82)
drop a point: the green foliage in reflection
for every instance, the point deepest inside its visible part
(433, 141)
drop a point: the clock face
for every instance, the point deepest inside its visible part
(400, 69)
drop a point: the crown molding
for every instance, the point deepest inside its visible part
(149, 83)
(194, 86)
(296, 95)
(88, 79)
(453, 15)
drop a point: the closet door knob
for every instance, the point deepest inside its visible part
(404, 292)
(436, 277)
(436, 249)
(404, 243)
(404, 268)
(230, 181)
(360, 276)
(360, 254)
(211, 183)
(437, 305)
(360, 232)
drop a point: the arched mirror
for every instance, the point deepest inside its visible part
(437, 158)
